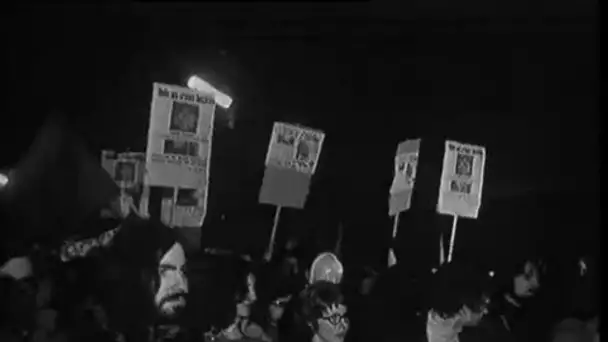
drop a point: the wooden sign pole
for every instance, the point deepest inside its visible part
(275, 225)
(174, 211)
(441, 250)
(395, 225)
(452, 238)
(392, 259)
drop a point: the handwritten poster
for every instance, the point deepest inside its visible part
(406, 164)
(461, 179)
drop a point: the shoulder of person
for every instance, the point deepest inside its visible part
(491, 328)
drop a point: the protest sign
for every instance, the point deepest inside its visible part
(406, 164)
(179, 147)
(167, 209)
(187, 212)
(461, 179)
(294, 147)
(179, 137)
(127, 169)
(291, 160)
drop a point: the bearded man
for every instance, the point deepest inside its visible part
(146, 281)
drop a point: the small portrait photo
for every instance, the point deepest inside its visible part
(286, 136)
(124, 171)
(184, 117)
(182, 148)
(401, 164)
(186, 197)
(461, 187)
(303, 150)
(464, 165)
(410, 171)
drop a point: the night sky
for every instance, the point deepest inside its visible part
(517, 78)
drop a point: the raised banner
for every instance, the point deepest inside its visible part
(461, 179)
(179, 137)
(294, 147)
(127, 169)
(406, 164)
(291, 160)
(179, 148)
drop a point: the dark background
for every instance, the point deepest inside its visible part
(518, 77)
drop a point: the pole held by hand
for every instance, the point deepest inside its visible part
(452, 238)
(270, 248)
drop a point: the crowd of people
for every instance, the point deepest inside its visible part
(147, 285)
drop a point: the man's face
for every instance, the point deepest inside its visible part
(170, 297)
(333, 325)
(526, 283)
(186, 119)
(244, 308)
(277, 308)
(471, 317)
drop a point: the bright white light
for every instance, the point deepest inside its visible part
(203, 86)
(3, 180)
(491, 274)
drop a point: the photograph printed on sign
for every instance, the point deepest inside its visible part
(410, 170)
(286, 136)
(401, 166)
(464, 165)
(410, 173)
(460, 186)
(307, 151)
(124, 171)
(183, 148)
(304, 150)
(184, 117)
(187, 197)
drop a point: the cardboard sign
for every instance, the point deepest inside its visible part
(186, 211)
(461, 179)
(294, 147)
(179, 137)
(127, 169)
(406, 164)
(179, 146)
(291, 160)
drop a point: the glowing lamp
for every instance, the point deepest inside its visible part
(3, 180)
(198, 84)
